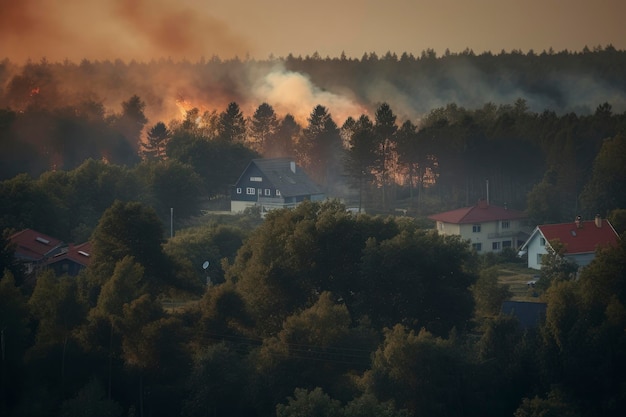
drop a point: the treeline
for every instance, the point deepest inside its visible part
(554, 166)
(315, 312)
(535, 145)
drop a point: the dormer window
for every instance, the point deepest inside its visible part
(278, 193)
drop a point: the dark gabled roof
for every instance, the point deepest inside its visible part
(32, 245)
(584, 237)
(280, 173)
(80, 254)
(480, 213)
(529, 314)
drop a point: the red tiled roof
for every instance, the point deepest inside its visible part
(33, 245)
(480, 213)
(80, 254)
(583, 239)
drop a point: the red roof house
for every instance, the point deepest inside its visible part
(71, 260)
(489, 228)
(580, 240)
(33, 248)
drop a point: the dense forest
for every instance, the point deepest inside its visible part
(312, 311)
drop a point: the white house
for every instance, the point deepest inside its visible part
(579, 238)
(489, 228)
(273, 183)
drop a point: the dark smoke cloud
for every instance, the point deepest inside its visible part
(120, 29)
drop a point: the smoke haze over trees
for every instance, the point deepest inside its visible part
(560, 81)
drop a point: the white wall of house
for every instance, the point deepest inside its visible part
(536, 249)
(448, 228)
(487, 236)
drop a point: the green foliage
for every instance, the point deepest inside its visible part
(306, 403)
(129, 229)
(583, 334)
(314, 348)
(218, 162)
(263, 128)
(171, 185)
(320, 150)
(387, 270)
(418, 372)
(91, 401)
(606, 189)
(217, 383)
(126, 284)
(157, 137)
(222, 313)
(544, 201)
(56, 306)
(488, 293)
(215, 243)
(617, 218)
(367, 405)
(408, 277)
(552, 406)
(232, 124)
(14, 337)
(555, 267)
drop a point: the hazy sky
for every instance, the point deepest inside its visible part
(191, 29)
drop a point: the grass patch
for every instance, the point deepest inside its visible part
(516, 276)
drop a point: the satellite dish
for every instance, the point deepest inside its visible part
(205, 265)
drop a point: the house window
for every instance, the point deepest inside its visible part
(539, 258)
(506, 244)
(260, 191)
(256, 179)
(495, 245)
(542, 242)
(268, 191)
(250, 191)
(477, 246)
(238, 190)
(440, 226)
(476, 228)
(505, 224)
(278, 192)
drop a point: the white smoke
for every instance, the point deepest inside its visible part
(294, 93)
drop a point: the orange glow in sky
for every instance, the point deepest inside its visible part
(191, 29)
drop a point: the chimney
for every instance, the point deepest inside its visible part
(598, 221)
(292, 165)
(579, 223)
(483, 204)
